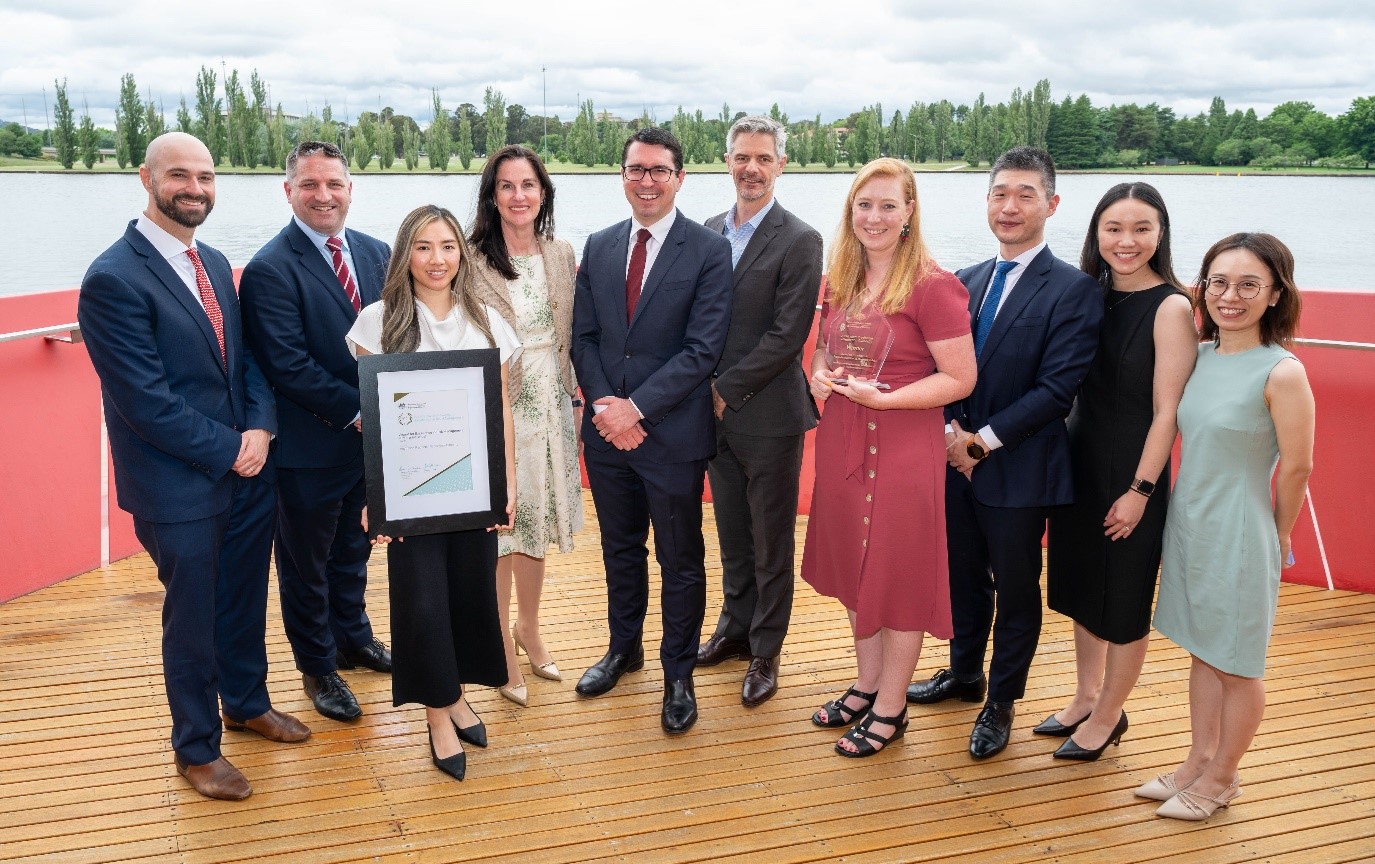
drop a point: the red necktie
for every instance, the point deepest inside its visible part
(209, 301)
(635, 276)
(341, 270)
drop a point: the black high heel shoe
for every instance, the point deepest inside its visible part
(867, 742)
(839, 714)
(475, 734)
(455, 766)
(1070, 750)
(1055, 729)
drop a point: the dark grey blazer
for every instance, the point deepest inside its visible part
(777, 283)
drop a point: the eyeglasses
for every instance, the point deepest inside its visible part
(659, 173)
(1247, 289)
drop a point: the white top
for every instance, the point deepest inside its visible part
(454, 333)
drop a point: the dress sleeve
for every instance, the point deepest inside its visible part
(505, 338)
(942, 307)
(367, 331)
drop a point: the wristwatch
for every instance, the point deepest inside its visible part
(1142, 487)
(976, 451)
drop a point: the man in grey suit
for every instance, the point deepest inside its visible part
(762, 406)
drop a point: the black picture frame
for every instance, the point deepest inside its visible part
(384, 382)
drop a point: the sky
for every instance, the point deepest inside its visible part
(809, 57)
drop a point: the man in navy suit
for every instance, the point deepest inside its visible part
(1036, 322)
(190, 419)
(301, 294)
(650, 316)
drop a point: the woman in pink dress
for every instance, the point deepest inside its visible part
(894, 348)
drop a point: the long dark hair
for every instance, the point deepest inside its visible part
(1091, 258)
(400, 321)
(1280, 321)
(486, 236)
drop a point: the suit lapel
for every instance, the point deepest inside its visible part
(766, 231)
(663, 262)
(315, 264)
(367, 264)
(1028, 286)
(614, 256)
(164, 273)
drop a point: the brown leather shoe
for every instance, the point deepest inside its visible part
(219, 779)
(761, 681)
(273, 725)
(718, 649)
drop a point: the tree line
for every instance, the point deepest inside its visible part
(240, 125)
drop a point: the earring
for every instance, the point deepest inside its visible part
(906, 231)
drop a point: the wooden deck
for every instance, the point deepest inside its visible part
(86, 771)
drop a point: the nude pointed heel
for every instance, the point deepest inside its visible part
(543, 670)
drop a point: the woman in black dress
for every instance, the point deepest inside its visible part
(1104, 550)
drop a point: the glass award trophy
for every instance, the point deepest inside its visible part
(859, 344)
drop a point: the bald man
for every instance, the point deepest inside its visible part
(190, 419)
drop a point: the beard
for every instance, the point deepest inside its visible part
(172, 209)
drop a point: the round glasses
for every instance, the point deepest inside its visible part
(659, 173)
(1247, 289)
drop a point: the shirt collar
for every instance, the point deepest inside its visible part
(317, 238)
(167, 246)
(1025, 258)
(753, 221)
(659, 230)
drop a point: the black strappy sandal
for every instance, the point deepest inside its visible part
(865, 740)
(839, 714)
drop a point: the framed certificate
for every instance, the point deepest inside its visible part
(434, 451)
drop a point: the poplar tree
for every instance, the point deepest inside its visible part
(88, 141)
(494, 112)
(184, 122)
(129, 123)
(209, 127)
(465, 140)
(437, 138)
(154, 121)
(64, 132)
(364, 140)
(410, 146)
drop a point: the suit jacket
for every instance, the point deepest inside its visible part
(559, 273)
(295, 317)
(1032, 364)
(777, 281)
(174, 415)
(662, 359)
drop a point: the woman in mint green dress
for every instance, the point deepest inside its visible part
(1247, 405)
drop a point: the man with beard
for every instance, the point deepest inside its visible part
(301, 294)
(763, 408)
(190, 418)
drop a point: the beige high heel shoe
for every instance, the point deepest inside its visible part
(517, 694)
(543, 670)
(1195, 807)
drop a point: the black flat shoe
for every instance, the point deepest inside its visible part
(839, 714)
(475, 734)
(1071, 750)
(944, 685)
(992, 730)
(606, 672)
(455, 766)
(868, 742)
(1055, 729)
(680, 706)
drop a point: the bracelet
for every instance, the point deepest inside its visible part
(1142, 487)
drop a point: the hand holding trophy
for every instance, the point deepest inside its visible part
(859, 342)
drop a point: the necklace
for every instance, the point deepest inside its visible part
(1117, 298)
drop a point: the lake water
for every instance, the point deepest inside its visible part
(52, 226)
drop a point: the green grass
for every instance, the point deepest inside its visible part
(19, 164)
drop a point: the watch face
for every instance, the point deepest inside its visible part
(974, 450)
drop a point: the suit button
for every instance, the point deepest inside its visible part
(627, 356)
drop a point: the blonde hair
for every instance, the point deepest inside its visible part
(400, 323)
(848, 263)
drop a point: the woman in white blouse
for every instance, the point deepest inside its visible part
(444, 624)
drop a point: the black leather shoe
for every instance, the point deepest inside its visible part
(373, 655)
(719, 649)
(1055, 729)
(455, 766)
(761, 681)
(680, 706)
(943, 686)
(604, 674)
(992, 730)
(332, 697)
(475, 734)
(1071, 750)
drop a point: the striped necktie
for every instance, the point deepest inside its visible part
(341, 270)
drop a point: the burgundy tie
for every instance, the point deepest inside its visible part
(341, 269)
(209, 301)
(635, 276)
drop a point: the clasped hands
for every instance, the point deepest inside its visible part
(957, 450)
(618, 423)
(253, 445)
(823, 381)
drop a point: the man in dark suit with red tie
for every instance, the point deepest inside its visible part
(301, 294)
(650, 315)
(1036, 321)
(190, 419)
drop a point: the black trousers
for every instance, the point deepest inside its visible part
(995, 585)
(444, 625)
(754, 487)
